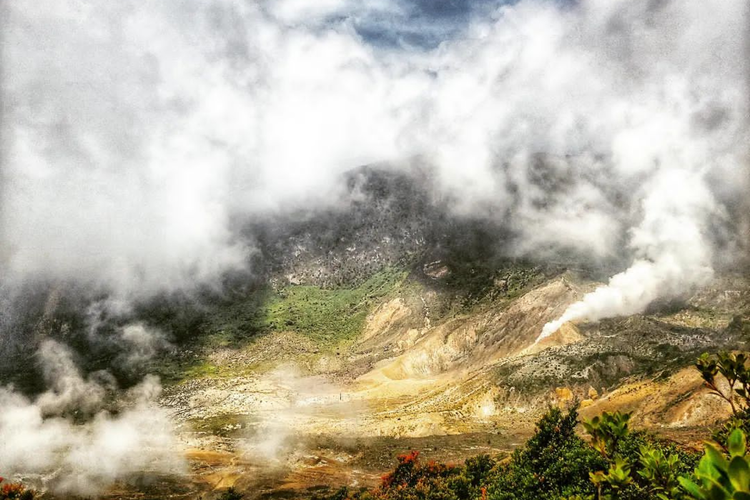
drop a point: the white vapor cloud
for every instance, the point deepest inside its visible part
(40, 442)
(141, 344)
(140, 133)
(672, 252)
(69, 391)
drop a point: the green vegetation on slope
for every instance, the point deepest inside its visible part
(479, 283)
(329, 316)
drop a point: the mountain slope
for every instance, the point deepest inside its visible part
(385, 324)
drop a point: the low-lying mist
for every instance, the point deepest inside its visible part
(70, 440)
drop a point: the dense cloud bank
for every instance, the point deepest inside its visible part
(140, 134)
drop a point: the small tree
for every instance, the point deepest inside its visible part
(735, 390)
(733, 368)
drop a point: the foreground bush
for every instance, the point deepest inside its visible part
(554, 464)
(720, 477)
(412, 480)
(15, 491)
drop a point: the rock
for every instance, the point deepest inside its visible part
(293, 279)
(436, 270)
(593, 395)
(563, 394)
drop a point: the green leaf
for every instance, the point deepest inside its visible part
(739, 473)
(717, 490)
(715, 459)
(692, 488)
(741, 495)
(737, 443)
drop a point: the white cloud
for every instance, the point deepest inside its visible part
(138, 132)
(40, 441)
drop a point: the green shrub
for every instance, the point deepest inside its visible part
(736, 393)
(607, 430)
(555, 463)
(412, 480)
(719, 477)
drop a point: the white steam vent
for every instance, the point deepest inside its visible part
(672, 248)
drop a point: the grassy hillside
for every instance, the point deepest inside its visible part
(328, 316)
(325, 318)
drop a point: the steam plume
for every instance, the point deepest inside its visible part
(39, 441)
(673, 250)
